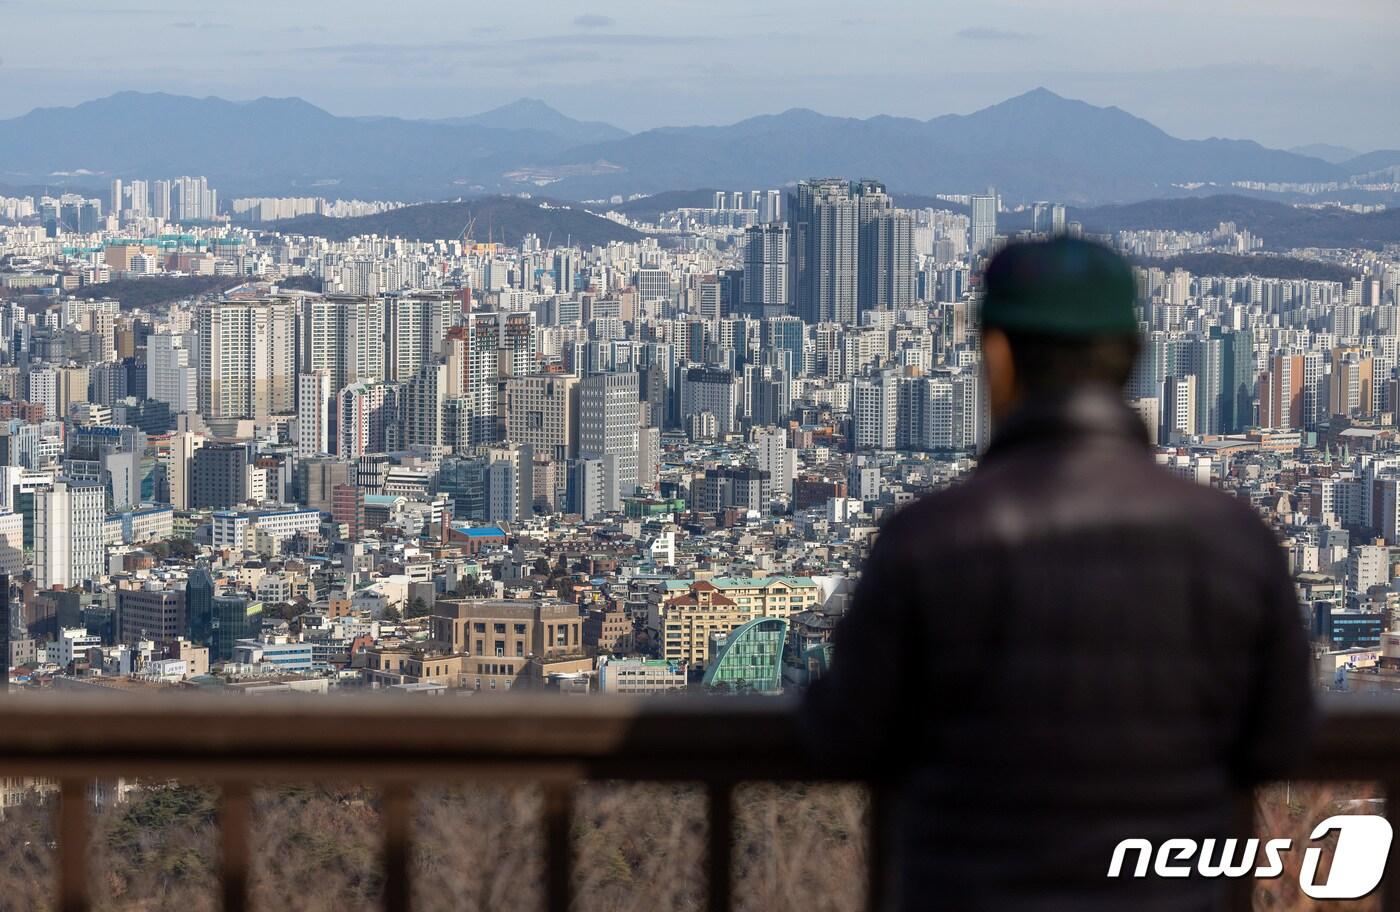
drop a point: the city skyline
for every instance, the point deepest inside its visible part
(1210, 70)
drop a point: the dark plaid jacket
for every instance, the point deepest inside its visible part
(1071, 648)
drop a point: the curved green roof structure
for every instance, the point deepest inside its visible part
(751, 657)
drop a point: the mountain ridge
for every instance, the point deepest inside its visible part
(1037, 145)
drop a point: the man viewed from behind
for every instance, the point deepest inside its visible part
(1073, 647)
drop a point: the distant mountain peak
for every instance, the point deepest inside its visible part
(535, 114)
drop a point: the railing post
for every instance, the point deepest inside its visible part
(558, 846)
(398, 807)
(721, 841)
(234, 825)
(877, 825)
(1240, 897)
(73, 846)
(1390, 883)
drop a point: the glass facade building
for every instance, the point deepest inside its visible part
(751, 658)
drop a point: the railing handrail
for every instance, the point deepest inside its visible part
(729, 738)
(279, 736)
(396, 741)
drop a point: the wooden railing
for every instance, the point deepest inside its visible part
(398, 743)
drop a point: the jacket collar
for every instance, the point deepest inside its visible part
(1079, 412)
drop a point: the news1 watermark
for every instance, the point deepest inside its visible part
(1358, 860)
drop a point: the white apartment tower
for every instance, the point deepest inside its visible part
(68, 534)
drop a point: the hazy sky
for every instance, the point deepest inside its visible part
(1284, 72)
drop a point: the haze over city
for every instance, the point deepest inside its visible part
(717, 424)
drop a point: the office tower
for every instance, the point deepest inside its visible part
(417, 324)
(588, 488)
(984, 221)
(824, 223)
(247, 359)
(475, 347)
(236, 617)
(769, 389)
(1239, 380)
(713, 390)
(219, 476)
(170, 377)
(160, 203)
(116, 208)
(423, 400)
(1040, 218)
(707, 299)
(194, 200)
(1350, 392)
(152, 612)
(345, 335)
(772, 208)
(541, 411)
(199, 606)
(176, 459)
(314, 413)
(653, 284)
(1281, 393)
(648, 458)
(519, 354)
(775, 458)
(765, 282)
(608, 422)
(348, 509)
(886, 255)
(1204, 359)
(1178, 410)
(139, 199)
(68, 534)
(1058, 225)
(875, 412)
(565, 271)
(6, 622)
(366, 415)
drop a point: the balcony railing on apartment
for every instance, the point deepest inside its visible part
(400, 743)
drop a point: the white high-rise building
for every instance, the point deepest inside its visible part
(314, 413)
(416, 325)
(765, 286)
(342, 334)
(170, 377)
(542, 412)
(609, 418)
(875, 412)
(176, 459)
(11, 543)
(984, 221)
(774, 457)
(247, 359)
(68, 521)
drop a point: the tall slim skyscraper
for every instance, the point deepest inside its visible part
(416, 324)
(314, 413)
(68, 534)
(984, 221)
(824, 223)
(887, 261)
(170, 377)
(765, 283)
(160, 203)
(608, 423)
